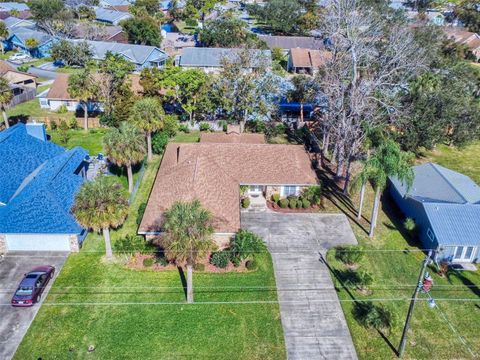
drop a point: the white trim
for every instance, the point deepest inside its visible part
(430, 234)
(462, 257)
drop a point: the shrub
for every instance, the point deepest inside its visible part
(374, 316)
(199, 267)
(283, 203)
(292, 203)
(306, 204)
(130, 244)
(313, 194)
(204, 126)
(162, 260)
(246, 244)
(245, 202)
(275, 197)
(251, 265)
(62, 109)
(148, 262)
(359, 279)
(170, 125)
(236, 261)
(349, 254)
(223, 124)
(191, 22)
(72, 123)
(140, 212)
(243, 189)
(53, 125)
(23, 68)
(159, 142)
(63, 133)
(409, 224)
(220, 259)
(184, 128)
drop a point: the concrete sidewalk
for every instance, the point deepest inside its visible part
(312, 318)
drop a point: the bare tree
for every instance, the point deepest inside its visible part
(373, 57)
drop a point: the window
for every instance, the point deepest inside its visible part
(289, 190)
(430, 234)
(463, 253)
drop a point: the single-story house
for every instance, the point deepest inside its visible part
(15, 77)
(110, 16)
(100, 32)
(213, 172)
(19, 36)
(210, 59)
(120, 5)
(13, 22)
(307, 61)
(289, 42)
(470, 39)
(13, 6)
(39, 182)
(174, 42)
(445, 206)
(142, 56)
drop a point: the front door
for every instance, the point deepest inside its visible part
(463, 253)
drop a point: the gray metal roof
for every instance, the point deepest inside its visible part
(13, 21)
(24, 33)
(116, 2)
(290, 42)
(435, 183)
(455, 224)
(212, 57)
(111, 16)
(9, 6)
(137, 54)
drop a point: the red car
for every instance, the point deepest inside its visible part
(31, 287)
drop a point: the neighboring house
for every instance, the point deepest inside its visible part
(19, 36)
(99, 32)
(17, 78)
(445, 206)
(110, 16)
(210, 59)
(142, 56)
(469, 39)
(306, 61)
(289, 42)
(213, 172)
(120, 5)
(174, 42)
(39, 182)
(15, 22)
(15, 6)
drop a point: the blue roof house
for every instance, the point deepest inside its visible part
(445, 206)
(39, 182)
(18, 40)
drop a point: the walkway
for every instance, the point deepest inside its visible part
(312, 318)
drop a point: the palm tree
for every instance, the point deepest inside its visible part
(31, 43)
(188, 236)
(82, 86)
(6, 96)
(3, 35)
(100, 205)
(148, 115)
(388, 160)
(125, 146)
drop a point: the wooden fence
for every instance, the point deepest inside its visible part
(92, 122)
(26, 95)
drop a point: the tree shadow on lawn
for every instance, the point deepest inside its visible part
(341, 276)
(474, 288)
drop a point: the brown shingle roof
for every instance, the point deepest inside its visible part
(4, 67)
(213, 173)
(232, 137)
(306, 58)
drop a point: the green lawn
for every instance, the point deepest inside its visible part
(153, 331)
(91, 141)
(395, 274)
(181, 137)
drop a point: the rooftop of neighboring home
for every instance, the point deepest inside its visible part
(39, 181)
(13, 22)
(116, 2)
(12, 74)
(306, 58)
(290, 42)
(462, 36)
(24, 33)
(212, 57)
(178, 40)
(137, 54)
(9, 6)
(233, 135)
(110, 15)
(96, 31)
(213, 173)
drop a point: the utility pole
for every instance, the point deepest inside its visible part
(403, 342)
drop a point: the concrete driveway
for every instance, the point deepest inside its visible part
(15, 322)
(312, 318)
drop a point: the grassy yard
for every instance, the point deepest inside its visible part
(192, 136)
(74, 318)
(91, 141)
(394, 260)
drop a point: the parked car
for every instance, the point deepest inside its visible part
(19, 57)
(32, 285)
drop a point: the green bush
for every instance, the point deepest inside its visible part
(349, 254)
(236, 261)
(292, 203)
(23, 68)
(246, 244)
(373, 316)
(244, 189)
(170, 125)
(184, 128)
(275, 197)
(359, 279)
(409, 224)
(191, 22)
(220, 259)
(130, 244)
(140, 212)
(251, 265)
(306, 204)
(223, 124)
(148, 262)
(313, 194)
(199, 267)
(283, 203)
(72, 123)
(162, 260)
(159, 142)
(63, 132)
(62, 109)
(245, 202)
(204, 126)
(53, 125)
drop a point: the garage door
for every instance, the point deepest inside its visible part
(42, 242)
